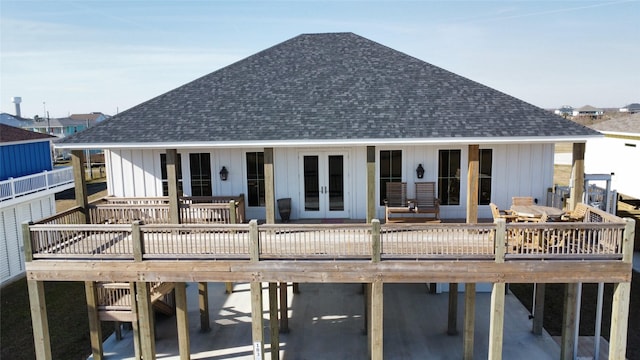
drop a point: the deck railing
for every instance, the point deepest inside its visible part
(155, 210)
(325, 241)
(565, 240)
(524, 241)
(46, 180)
(114, 296)
(70, 216)
(438, 241)
(79, 241)
(194, 241)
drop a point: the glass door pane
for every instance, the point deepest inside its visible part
(200, 164)
(311, 183)
(336, 183)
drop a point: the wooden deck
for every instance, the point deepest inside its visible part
(60, 249)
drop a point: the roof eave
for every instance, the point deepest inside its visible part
(330, 142)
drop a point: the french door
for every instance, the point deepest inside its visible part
(323, 190)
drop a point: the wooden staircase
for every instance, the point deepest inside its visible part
(115, 300)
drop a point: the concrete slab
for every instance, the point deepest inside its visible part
(636, 261)
(326, 322)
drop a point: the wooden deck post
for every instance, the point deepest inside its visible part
(182, 320)
(273, 320)
(472, 184)
(37, 303)
(172, 182)
(621, 299)
(569, 321)
(284, 308)
(134, 324)
(137, 242)
(145, 321)
(374, 311)
(95, 331)
(577, 175)
(371, 183)
(472, 218)
(469, 320)
(257, 334)
(80, 181)
(452, 324)
(39, 320)
(269, 187)
(496, 316)
(270, 207)
(203, 303)
(377, 315)
(538, 312)
(233, 219)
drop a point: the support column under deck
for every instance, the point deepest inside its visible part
(377, 315)
(469, 320)
(95, 330)
(203, 302)
(496, 321)
(284, 308)
(621, 299)
(145, 321)
(538, 312)
(257, 335)
(273, 321)
(473, 174)
(39, 320)
(496, 315)
(569, 322)
(182, 320)
(452, 324)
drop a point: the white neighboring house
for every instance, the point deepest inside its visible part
(588, 110)
(631, 108)
(28, 184)
(618, 152)
(564, 111)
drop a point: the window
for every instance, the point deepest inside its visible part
(163, 171)
(200, 174)
(484, 190)
(449, 177)
(390, 170)
(255, 178)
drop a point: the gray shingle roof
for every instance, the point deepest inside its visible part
(626, 124)
(333, 87)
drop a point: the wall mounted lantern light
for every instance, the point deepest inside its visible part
(420, 171)
(224, 174)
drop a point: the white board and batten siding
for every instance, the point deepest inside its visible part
(11, 240)
(620, 156)
(518, 170)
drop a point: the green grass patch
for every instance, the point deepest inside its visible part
(67, 316)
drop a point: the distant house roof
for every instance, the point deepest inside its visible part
(589, 108)
(626, 124)
(336, 88)
(14, 134)
(635, 107)
(56, 122)
(12, 120)
(94, 116)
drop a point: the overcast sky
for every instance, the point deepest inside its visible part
(107, 56)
